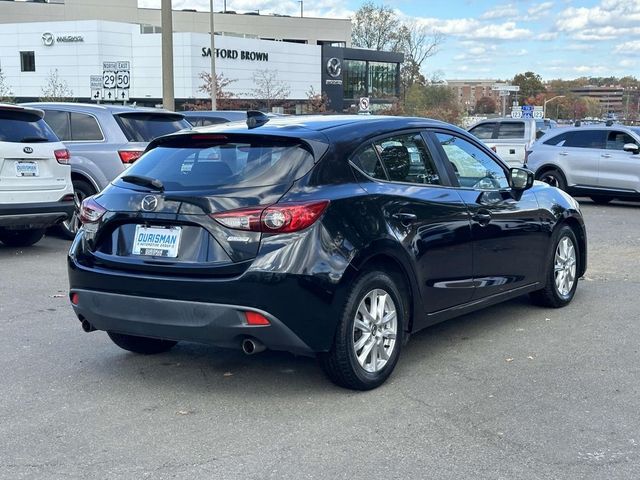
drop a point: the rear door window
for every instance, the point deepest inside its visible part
(367, 160)
(85, 128)
(246, 162)
(24, 127)
(484, 131)
(585, 139)
(405, 158)
(509, 130)
(145, 126)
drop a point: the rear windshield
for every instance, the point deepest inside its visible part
(250, 163)
(145, 126)
(509, 130)
(21, 127)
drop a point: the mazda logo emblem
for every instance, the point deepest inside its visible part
(27, 150)
(149, 203)
(47, 39)
(334, 67)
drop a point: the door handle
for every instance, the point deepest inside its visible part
(563, 154)
(606, 155)
(405, 218)
(482, 217)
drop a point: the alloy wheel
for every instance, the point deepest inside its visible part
(565, 266)
(72, 224)
(551, 180)
(375, 329)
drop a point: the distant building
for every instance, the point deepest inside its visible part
(468, 92)
(610, 98)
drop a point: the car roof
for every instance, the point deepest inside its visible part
(95, 108)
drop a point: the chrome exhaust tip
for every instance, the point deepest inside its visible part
(251, 346)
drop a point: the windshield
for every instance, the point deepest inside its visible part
(22, 127)
(232, 164)
(145, 126)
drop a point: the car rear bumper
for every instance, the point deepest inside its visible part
(211, 323)
(35, 215)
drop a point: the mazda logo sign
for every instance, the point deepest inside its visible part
(27, 150)
(334, 67)
(47, 39)
(149, 203)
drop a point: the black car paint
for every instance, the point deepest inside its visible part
(453, 262)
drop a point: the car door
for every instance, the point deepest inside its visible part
(508, 240)
(619, 170)
(579, 153)
(425, 213)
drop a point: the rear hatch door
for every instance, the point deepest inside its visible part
(170, 225)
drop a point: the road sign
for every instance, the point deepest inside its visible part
(109, 80)
(364, 104)
(110, 95)
(122, 94)
(503, 87)
(516, 112)
(97, 94)
(96, 87)
(109, 66)
(123, 79)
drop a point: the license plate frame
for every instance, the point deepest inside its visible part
(156, 241)
(26, 168)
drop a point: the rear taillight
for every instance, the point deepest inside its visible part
(129, 156)
(63, 156)
(91, 211)
(280, 218)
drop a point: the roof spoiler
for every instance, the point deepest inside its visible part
(256, 119)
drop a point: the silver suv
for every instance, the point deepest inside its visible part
(103, 141)
(598, 161)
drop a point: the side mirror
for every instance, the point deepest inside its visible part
(520, 179)
(631, 147)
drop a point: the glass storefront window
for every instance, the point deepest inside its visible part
(382, 79)
(354, 78)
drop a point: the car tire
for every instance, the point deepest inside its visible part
(601, 199)
(553, 177)
(68, 228)
(21, 238)
(143, 345)
(363, 340)
(561, 278)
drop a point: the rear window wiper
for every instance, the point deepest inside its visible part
(152, 183)
(33, 139)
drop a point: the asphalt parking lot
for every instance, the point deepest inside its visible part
(512, 392)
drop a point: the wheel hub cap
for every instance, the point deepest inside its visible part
(375, 329)
(565, 266)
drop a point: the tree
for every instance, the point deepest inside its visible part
(223, 97)
(317, 103)
(433, 101)
(530, 84)
(56, 90)
(417, 44)
(375, 27)
(6, 94)
(486, 105)
(269, 88)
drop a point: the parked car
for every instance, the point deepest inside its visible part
(600, 161)
(334, 237)
(204, 118)
(103, 141)
(510, 138)
(35, 177)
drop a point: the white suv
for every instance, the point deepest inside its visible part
(35, 177)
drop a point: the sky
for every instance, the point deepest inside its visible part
(496, 39)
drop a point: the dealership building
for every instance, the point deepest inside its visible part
(75, 39)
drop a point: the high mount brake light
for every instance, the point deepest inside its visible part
(279, 218)
(91, 211)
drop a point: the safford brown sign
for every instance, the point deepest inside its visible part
(237, 54)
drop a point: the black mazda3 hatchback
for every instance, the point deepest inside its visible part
(335, 237)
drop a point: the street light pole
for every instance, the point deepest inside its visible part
(166, 22)
(301, 2)
(544, 107)
(214, 79)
